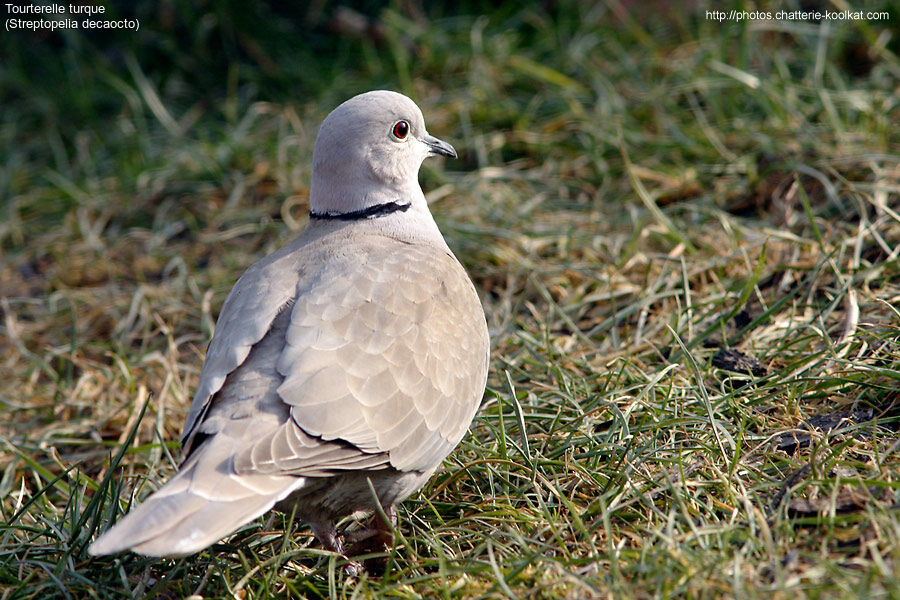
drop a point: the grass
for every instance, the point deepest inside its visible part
(685, 235)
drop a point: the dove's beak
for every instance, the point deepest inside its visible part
(436, 146)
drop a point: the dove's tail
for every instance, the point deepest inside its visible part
(204, 502)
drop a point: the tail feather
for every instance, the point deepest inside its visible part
(193, 510)
(203, 528)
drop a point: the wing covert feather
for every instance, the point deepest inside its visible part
(398, 336)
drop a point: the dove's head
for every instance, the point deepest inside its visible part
(368, 152)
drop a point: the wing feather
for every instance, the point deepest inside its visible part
(378, 359)
(251, 306)
(407, 351)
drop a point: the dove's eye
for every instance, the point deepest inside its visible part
(400, 131)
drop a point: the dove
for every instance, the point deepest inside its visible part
(344, 367)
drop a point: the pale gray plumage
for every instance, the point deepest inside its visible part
(356, 353)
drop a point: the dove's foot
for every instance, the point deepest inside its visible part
(378, 538)
(328, 537)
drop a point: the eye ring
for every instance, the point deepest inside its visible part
(400, 131)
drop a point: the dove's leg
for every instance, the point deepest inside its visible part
(377, 527)
(327, 536)
(392, 515)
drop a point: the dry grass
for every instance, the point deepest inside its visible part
(688, 254)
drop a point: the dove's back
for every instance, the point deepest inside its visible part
(349, 356)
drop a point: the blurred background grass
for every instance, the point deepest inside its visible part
(685, 234)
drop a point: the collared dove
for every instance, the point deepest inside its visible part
(351, 360)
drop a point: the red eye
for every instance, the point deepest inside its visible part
(401, 130)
